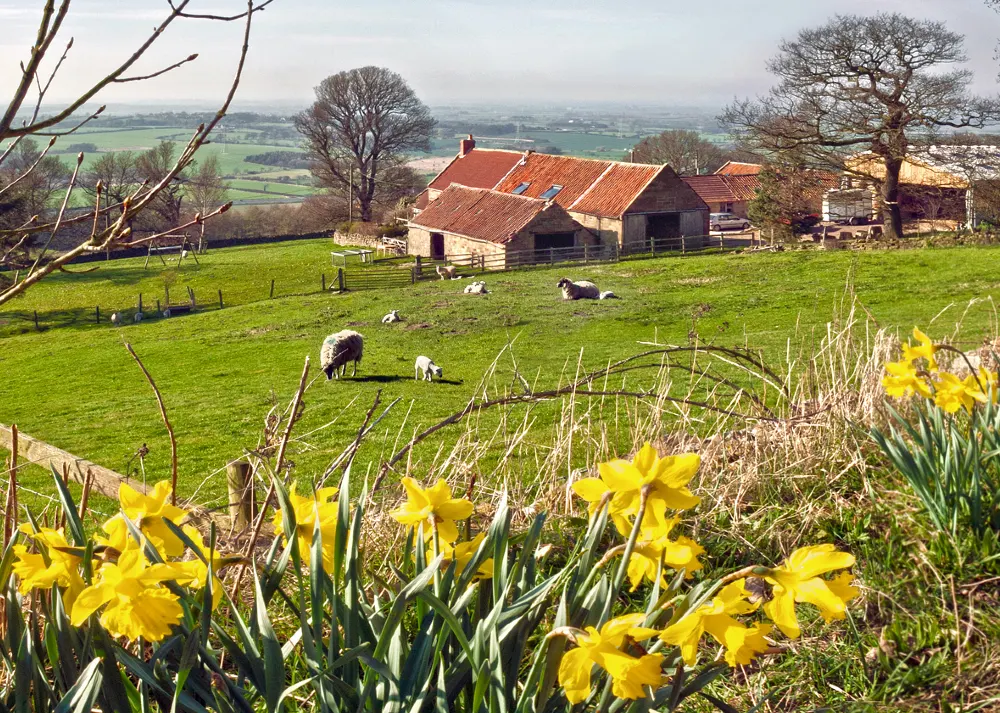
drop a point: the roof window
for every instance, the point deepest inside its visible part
(521, 189)
(552, 192)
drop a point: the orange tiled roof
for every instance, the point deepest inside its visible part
(616, 189)
(542, 171)
(717, 188)
(479, 213)
(479, 168)
(737, 168)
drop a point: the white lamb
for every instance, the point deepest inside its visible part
(447, 272)
(476, 288)
(428, 367)
(393, 316)
(582, 290)
(116, 319)
(608, 295)
(338, 349)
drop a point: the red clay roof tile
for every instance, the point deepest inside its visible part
(479, 168)
(479, 213)
(542, 171)
(738, 168)
(616, 189)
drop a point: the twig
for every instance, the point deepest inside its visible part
(10, 507)
(166, 422)
(190, 58)
(292, 418)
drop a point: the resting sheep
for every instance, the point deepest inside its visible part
(582, 290)
(393, 316)
(447, 272)
(608, 295)
(116, 318)
(166, 313)
(476, 288)
(428, 367)
(338, 349)
(137, 318)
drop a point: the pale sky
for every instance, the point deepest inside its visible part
(663, 52)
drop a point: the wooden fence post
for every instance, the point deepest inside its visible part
(166, 290)
(322, 281)
(36, 319)
(413, 275)
(158, 307)
(271, 296)
(97, 312)
(340, 279)
(220, 299)
(418, 268)
(140, 302)
(240, 495)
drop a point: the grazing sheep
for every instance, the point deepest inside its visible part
(116, 318)
(608, 295)
(582, 290)
(338, 349)
(393, 316)
(137, 318)
(428, 367)
(447, 272)
(476, 288)
(166, 314)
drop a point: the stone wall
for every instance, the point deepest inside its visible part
(606, 230)
(356, 240)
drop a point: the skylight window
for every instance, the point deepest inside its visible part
(552, 192)
(520, 189)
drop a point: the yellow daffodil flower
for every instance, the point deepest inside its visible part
(654, 545)
(137, 606)
(666, 477)
(434, 507)
(902, 380)
(462, 554)
(148, 511)
(798, 580)
(925, 350)
(952, 394)
(322, 509)
(63, 568)
(195, 571)
(742, 643)
(628, 674)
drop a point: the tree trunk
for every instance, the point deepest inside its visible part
(891, 215)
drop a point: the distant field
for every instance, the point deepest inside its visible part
(287, 189)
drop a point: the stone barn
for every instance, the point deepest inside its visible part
(479, 221)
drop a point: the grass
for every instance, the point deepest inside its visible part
(921, 638)
(285, 189)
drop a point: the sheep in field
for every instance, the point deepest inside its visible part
(609, 295)
(476, 288)
(393, 316)
(137, 318)
(428, 367)
(339, 349)
(447, 272)
(116, 318)
(582, 290)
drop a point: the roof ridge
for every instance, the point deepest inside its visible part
(645, 186)
(591, 186)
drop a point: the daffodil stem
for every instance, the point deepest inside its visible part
(740, 574)
(626, 556)
(437, 570)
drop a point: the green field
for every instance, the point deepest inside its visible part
(74, 385)
(272, 187)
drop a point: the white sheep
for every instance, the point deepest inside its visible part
(476, 288)
(608, 295)
(137, 318)
(116, 319)
(447, 272)
(393, 316)
(338, 349)
(428, 367)
(582, 290)
(166, 313)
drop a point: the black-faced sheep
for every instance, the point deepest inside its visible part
(447, 272)
(339, 349)
(393, 316)
(428, 367)
(582, 290)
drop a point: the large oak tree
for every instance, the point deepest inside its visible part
(876, 86)
(684, 151)
(359, 131)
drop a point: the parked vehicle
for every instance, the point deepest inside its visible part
(853, 206)
(727, 221)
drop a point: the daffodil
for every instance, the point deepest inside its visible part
(666, 478)
(742, 643)
(62, 569)
(902, 380)
(137, 606)
(952, 394)
(462, 553)
(148, 512)
(798, 580)
(629, 674)
(434, 507)
(654, 545)
(195, 571)
(320, 509)
(925, 349)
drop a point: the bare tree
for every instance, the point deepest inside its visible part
(42, 178)
(22, 119)
(359, 131)
(206, 189)
(155, 167)
(684, 151)
(874, 85)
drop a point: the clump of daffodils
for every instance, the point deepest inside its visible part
(131, 593)
(639, 496)
(918, 374)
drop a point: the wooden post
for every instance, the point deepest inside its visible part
(413, 275)
(140, 302)
(158, 311)
(340, 279)
(683, 246)
(323, 281)
(36, 319)
(97, 313)
(272, 289)
(166, 289)
(418, 268)
(220, 299)
(240, 495)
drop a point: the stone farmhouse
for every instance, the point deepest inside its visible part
(619, 203)
(485, 222)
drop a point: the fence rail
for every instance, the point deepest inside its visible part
(376, 278)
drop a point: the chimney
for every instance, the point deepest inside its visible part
(465, 146)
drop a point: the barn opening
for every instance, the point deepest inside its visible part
(437, 246)
(546, 241)
(663, 227)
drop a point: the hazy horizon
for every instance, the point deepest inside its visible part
(654, 54)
